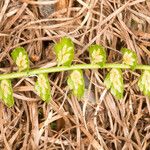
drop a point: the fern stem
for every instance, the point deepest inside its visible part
(65, 68)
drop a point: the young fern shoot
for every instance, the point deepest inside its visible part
(64, 51)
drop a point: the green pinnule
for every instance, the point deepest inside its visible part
(21, 58)
(114, 82)
(6, 92)
(144, 82)
(97, 54)
(76, 83)
(64, 51)
(42, 87)
(129, 58)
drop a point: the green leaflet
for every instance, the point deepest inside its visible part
(97, 54)
(114, 82)
(6, 92)
(76, 83)
(129, 57)
(64, 51)
(144, 82)
(0, 93)
(42, 87)
(21, 59)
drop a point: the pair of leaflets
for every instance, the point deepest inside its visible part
(114, 79)
(42, 85)
(64, 51)
(19, 55)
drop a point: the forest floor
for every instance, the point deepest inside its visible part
(97, 122)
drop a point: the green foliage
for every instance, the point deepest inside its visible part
(76, 83)
(64, 51)
(0, 93)
(129, 57)
(42, 87)
(6, 92)
(21, 59)
(97, 54)
(144, 83)
(114, 82)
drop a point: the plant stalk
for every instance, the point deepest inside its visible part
(35, 72)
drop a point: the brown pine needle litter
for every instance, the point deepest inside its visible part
(99, 121)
